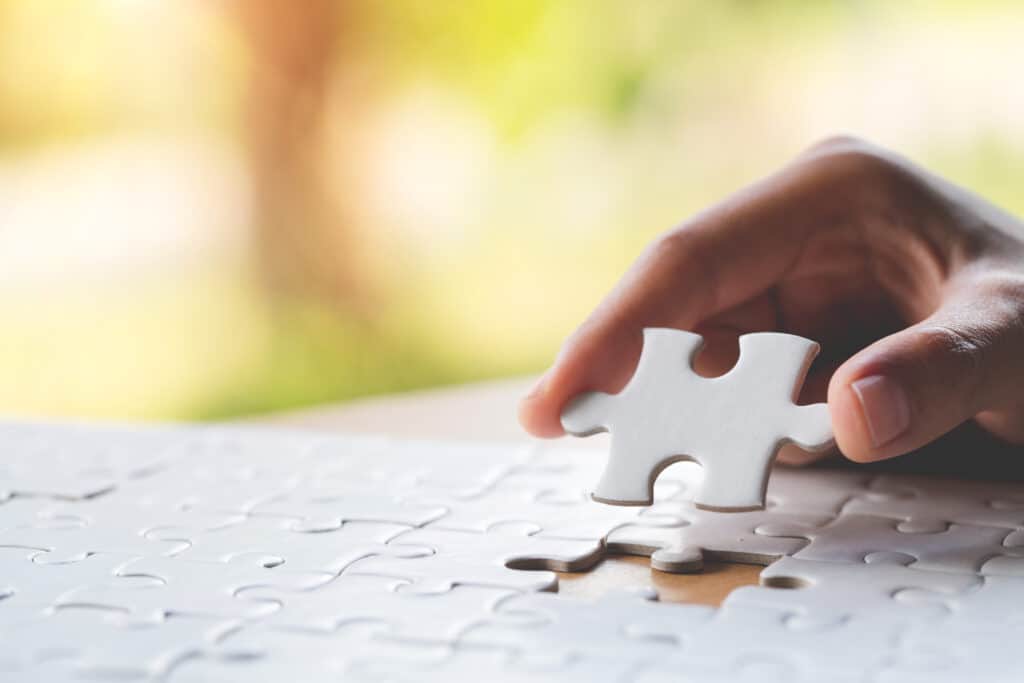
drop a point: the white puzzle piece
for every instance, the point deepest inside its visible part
(709, 535)
(73, 462)
(155, 588)
(756, 670)
(546, 513)
(492, 559)
(67, 532)
(995, 601)
(732, 425)
(466, 664)
(737, 634)
(418, 468)
(852, 538)
(273, 542)
(259, 653)
(831, 592)
(437, 618)
(324, 511)
(955, 651)
(220, 522)
(930, 503)
(814, 490)
(30, 588)
(100, 644)
(550, 629)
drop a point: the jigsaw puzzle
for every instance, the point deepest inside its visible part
(263, 555)
(732, 425)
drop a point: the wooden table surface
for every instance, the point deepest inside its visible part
(487, 411)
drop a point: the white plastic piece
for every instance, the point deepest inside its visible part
(317, 511)
(272, 542)
(959, 548)
(460, 557)
(732, 425)
(155, 588)
(548, 629)
(68, 532)
(29, 588)
(437, 618)
(831, 592)
(260, 653)
(708, 535)
(881, 601)
(933, 502)
(549, 514)
(742, 634)
(99, 643)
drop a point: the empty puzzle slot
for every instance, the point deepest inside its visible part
(785, 582)
(708, 587)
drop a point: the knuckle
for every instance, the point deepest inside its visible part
(859, 170)
(1001, 289)
(837, 143)
(674, 249)
(961, 351)
(948, 339)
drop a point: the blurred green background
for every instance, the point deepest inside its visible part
(216, 208)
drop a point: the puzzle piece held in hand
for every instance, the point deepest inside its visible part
(732, 425)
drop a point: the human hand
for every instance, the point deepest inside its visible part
(913, 286)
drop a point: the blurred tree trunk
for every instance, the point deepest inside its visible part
(303, 244)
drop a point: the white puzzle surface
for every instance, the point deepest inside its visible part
(215, 554)
(733, 425)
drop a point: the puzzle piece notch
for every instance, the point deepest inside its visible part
(708, 535)
(959, 548)
(732, 425)
(994, 602)
(551, 514)
(738, 635)
(547, 629)
(30, 588)
(449, 558)
(319, 511)
(437, 618)
(71, 531)
(930, 503)
(98, 643)
(152, 589)
(273, 542)
(421, 468)
(827, 593)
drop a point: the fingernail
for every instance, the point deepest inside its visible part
(885, 407)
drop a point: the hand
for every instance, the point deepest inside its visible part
(913, 286)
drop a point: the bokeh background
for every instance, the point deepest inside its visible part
(213, 208)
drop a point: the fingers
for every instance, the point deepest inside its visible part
(913, 386)
(717, 260)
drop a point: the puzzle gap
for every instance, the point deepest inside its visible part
(720, 352)
(617, 572)
(785, 582)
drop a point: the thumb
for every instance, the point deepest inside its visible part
(911, 387)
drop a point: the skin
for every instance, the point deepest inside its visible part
(913, 286)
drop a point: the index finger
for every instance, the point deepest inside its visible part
(716, 260)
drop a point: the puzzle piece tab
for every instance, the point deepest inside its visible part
(851, 538)
(549, 629)
(449, 558)
(708, 535)
(830, 592)
(732, 425)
